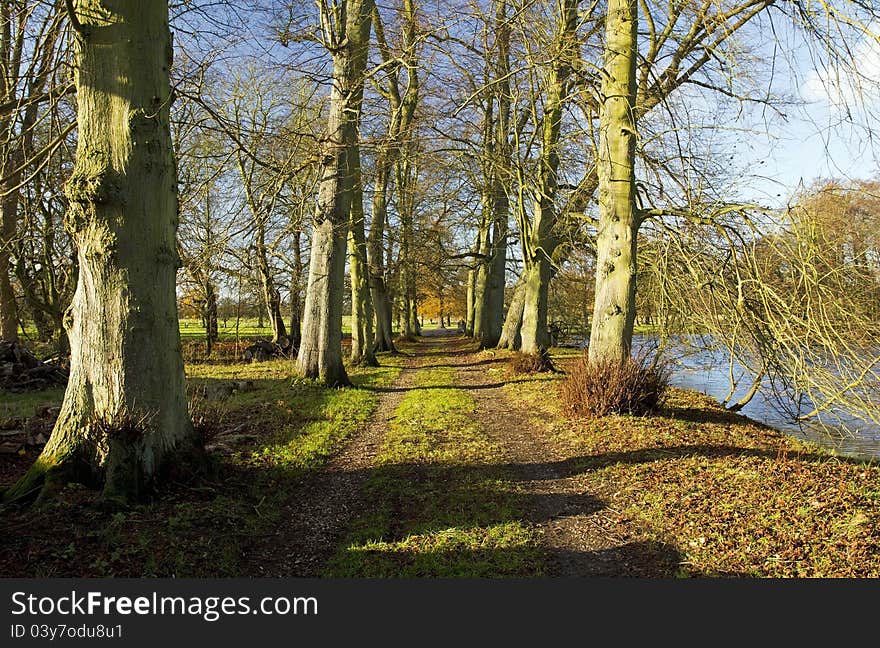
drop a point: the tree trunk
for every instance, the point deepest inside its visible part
(405, 201)
(491, 276)
(616, 244)
(492, 314)
(8, 305)
(320, 356)
(511, 338)
(295, 296)
(481, 276)
(378, 288)
(269, 291)
(471, 292)
(362, 342)
(124, 417)
(539, 240)
(212, 332)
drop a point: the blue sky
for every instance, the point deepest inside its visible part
(830, 133)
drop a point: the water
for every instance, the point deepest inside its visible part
(708, 372)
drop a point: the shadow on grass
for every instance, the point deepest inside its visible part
(267, 440)
(428, 519)
(477, 521)
(717, 415)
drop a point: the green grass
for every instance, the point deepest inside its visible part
(438, 504)
(192, 329)
(208, 527)
(25, 404)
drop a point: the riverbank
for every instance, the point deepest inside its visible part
(443, 463)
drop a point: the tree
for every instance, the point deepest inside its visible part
(394, 152)
(362, 332)
(539, 235)
(124, 418)
(346, 35)
(614, 308)
(488, 294)
(30, 41)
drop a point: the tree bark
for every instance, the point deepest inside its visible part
(615, 304)
(212, 332)
(492, 312)
(362, 342)
(471, 292)
(538, 238)
(124, 417)
(491, 275)
(320, 355)
(295, 295)
(511, 338)
(270, 293)
(8, 304)
(378, 287)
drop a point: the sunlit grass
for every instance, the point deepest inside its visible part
(193, 329)
(731, 496)
(438, 505)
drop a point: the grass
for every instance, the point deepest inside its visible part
(731, 497)
(718, 494)
(192, 329)
(25, 404)
(439, 505)
(207, 528)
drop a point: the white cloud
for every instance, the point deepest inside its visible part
(848, 88)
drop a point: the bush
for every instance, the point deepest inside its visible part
(609, 387)
(530, 363)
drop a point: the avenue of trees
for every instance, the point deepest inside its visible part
(502, 163)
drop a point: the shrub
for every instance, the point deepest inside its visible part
(609, 387)
(530, 363)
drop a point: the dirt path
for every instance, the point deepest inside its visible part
(333, 496)
(576, 527)
(574, 523)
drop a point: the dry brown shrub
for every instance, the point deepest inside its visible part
(601, 388)
(529, 363)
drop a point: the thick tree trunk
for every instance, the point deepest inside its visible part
(488, 292)
(124, 416)
(511, 338)
(615, 301)
(320, 355)
(481, 276)
(362, 342)
(491, 275)
(535, 336)
(469, 303)
(492, 313)
(539, 239)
